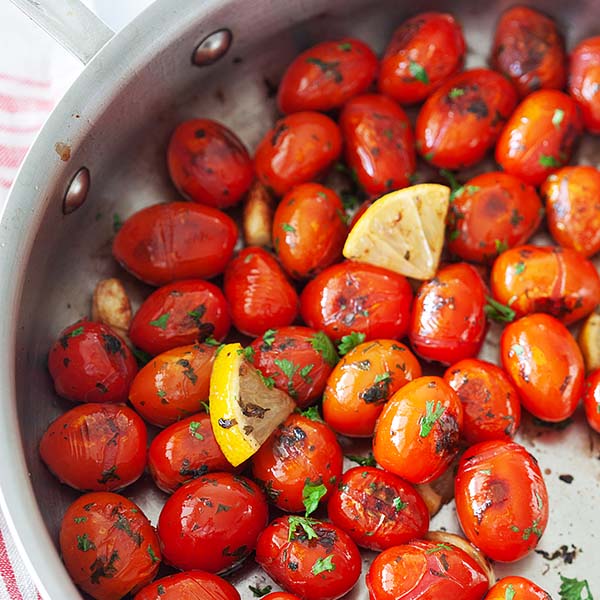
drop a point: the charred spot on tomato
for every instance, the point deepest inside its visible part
(237, 553)
(188, 370)
(292, 566)
(379, 391)
(123, 524)
(108, 475)
(447, 434)
(565, 383)
(112, 344)
(102, 387)
(185, 470)
(104, 567)
(279, 130)
(66, 362)
(330, 69)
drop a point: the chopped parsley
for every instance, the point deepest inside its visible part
(496, 311)
(350, 341)
(305, 524)
(418, 72)
(324, 346)
(259, 592)
(194, 426)
(161, 322)
(363, 461)
(84, 543)
(572, 589)
(432, 415)
(399, 504)
(323, 564)
(548, 161)
(557, 117)
(269, 337)
(311, 496)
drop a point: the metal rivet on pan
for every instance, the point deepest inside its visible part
(77, 191)
(212, 47)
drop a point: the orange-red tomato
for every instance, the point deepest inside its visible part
(296, 150)
(584, 81)
(423, 52)
(378, 143)
(191, 585)
(539, 136)
(490, 213)
(363, 381)
(572, 196)
(280, 596)
(418, 431)
(179, 240)
(518, 588)
(501, 499)
(108, 546)
(327, 75)
(96, 447)
(545, 364)
(461, 121)
(549, 279)
(309, 230)
(529, 49)
(591, 400)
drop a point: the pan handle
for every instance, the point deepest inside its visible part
(70, 23)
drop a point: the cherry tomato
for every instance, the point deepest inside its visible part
(280, 596)
(572, 196)
(490, 213)
(448, 324)
(591, 400)
(363, 381)
(326, 76)
(312, 559)
(259, 294)
(296, 150)
(173, 385)
(529, 50)
(539, 136)
(96, 447)
(518, 588)
(208, 163)
(179, 240)
(108, 546)
(90, 363)
(379, 143)
(418, 431)
(351, 296)
(423, 52)
(427, 570)
(501, 499)
(309, 230)
(212, 523)
(461, 121)
(192, 585)
(300, 452)
(584, 80)
(557, 281)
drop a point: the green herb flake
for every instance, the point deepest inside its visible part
(161, 322)
(514, 528)
(363, 461)
(223, 508)
(519, 267)
(509, 594)
(345, 46)
(269, 337)
(268, 381)
(312, 413)
(210, 341)
(287, 227)
(573, 589)
(288, 368)
(311, 496)
(428, 156)
(437, 548)
(160, 588)
(399, 504)
(501, 246)
(259, 592)
(456, 92)
(304, 373)
(418, 72)
(194, 426)
(432, 415)
(305, 524)
(143, 358)
(152, 554)
(557, 117)
(454, 235)
(117, 222)
(80, 519)
(84, 543)
(76, 332)
(471, 189)
(249, 353)
(350, 341)
(382, 377)
(323, 564)
(548, 161)
(324, 346)
(496, 311)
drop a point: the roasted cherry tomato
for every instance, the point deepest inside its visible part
(418, 431)
(501, 499)
(423, 52)
(327, 75)
(212, 523)
(540, 136)
(490, 213)
(208, 163)
(259, 294)
(90, 363)
(518, 588)
(529, 50)
(309, 230)
(363, 381)
(358, 297)
(448, 324)
(280, 596)
(173, 385)
(591, 400)
(96, 447)
(461, 121)
(315, 560)
(427, 570)
(179, 240)
(549, 279)
(192, 585)
(379, 144)
(572, 196)
(108, 545)
(584, 80)
(296, 150)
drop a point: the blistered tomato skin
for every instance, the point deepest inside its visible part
(379, 143)
(462, 120)
(584, 79)
(90, 363)
(326, 76)
(591, 400)
(545, 364)
(189, 586)
(516, 587)
(280, 596)
(178, 240)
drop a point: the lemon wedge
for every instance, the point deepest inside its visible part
(589, 342)
(402, 231)
(244, 408)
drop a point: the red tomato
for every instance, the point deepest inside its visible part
(280, 596)
(193, 585)
(296, 150)
(90, 363)
(108, 546)
(358, 297)
(309, 230)
(312, 559)
(539, 136)
(179, 240)
(518, 588)
(259, 294)
(96, 447)
(180, 313)
(461, 121)
(212, 523)
(591, 400)
(584, 80)
(447, 324)
(501, 499)
(208, 163)
(418, 431)
(326, 76)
